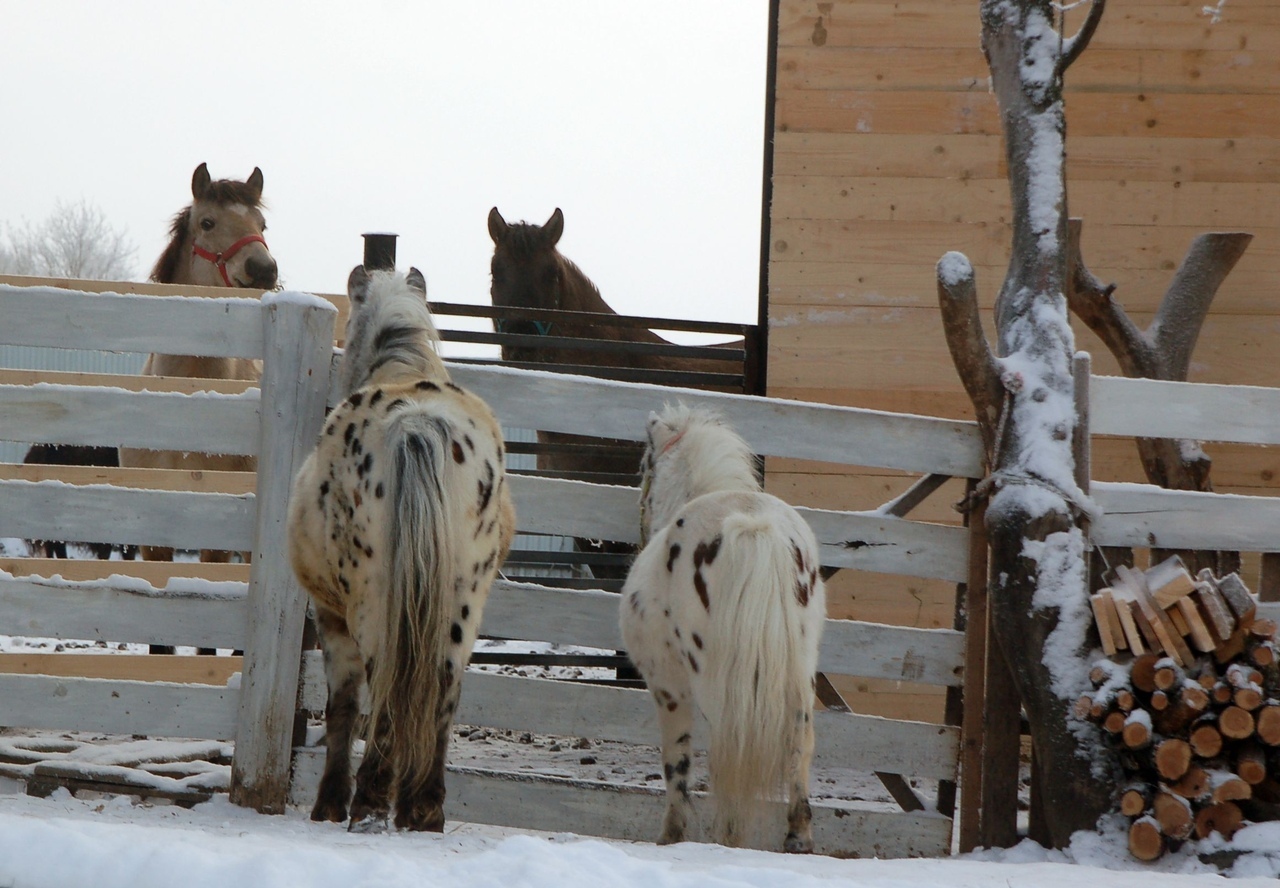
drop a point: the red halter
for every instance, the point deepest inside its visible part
(220, 259)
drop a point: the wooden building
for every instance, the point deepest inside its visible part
(887, 152)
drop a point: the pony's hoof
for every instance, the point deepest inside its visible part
(370, 823)
(334, 813)
(793, 844)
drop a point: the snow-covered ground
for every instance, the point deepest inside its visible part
(63, 842)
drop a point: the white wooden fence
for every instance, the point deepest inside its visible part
(265, 616)
(278, 423)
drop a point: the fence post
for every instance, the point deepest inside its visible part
(298, 346)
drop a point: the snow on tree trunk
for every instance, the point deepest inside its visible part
(1039, 597)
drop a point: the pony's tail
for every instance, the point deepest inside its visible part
(405, 685)
(759, 681)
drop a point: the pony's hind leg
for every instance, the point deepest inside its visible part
(799, 838)
(343, 670)
(420, 804)
(372, 802)
(675, 717)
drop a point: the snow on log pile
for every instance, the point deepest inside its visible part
(1195, 714)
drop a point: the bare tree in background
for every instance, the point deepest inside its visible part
(75, 241)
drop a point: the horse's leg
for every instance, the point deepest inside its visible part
(675, 718)
(372, 802)
(342, 668)
(421, 807)
(799, 838)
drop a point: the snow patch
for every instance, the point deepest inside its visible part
(954, 268)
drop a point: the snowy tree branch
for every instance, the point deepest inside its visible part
(962, 326)
(1072, 47)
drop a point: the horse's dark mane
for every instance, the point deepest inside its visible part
(221, 192)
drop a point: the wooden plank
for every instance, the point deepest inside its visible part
(1123, 114)
(812, 350)
(1200, 634)
(208, 423)
(876, 284)
(1217, 205)
(611, 811)
(153, 709)
(1160, 409)
(180, 384)
(144, 288)
(809, 67)
(859, 742)
(867, 541)
(1107, 622)
(156, 573)
(974, 688)
(191, 480)
(42, 315)
(206, 670)
(846, 23)
(1143, 515)
(124, 609)
(538, 399)
(101, 514)
(1106, 157)
(298, 336)
(1145, 247)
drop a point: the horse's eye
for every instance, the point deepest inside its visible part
(207, 224)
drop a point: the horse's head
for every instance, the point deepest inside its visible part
(218, 240)
(528, 271)
(390, 327)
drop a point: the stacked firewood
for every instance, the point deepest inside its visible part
(1198, 734)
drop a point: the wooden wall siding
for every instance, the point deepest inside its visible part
(888, 153)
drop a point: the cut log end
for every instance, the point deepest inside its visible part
(1146, 842)
(1224, 818)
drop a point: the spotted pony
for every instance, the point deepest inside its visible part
(724, 609)
(397, 525)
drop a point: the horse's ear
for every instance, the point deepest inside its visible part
(554, 228)
(497, 225)
(358, 285)
(255, 182)
(415, 280)
(200, 180)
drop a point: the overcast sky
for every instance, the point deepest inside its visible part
(642, 121)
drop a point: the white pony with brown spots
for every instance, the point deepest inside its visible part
(724, 609)
(397, 525)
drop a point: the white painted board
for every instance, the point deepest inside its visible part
(59, 318)
(593, 808)
(97, 513)
(103, 611)
(112, 417)
(153, 709)
(1156, 408)
(860, 742)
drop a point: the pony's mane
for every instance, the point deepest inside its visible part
(221, 192)
(392, 326)
(697, 454)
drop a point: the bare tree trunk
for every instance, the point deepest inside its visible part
(1039, 594)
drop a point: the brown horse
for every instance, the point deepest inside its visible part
(216, 241)
(529, 272)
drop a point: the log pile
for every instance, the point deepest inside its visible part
(1195, 714)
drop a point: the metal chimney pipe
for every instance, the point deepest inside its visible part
(379, 251)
